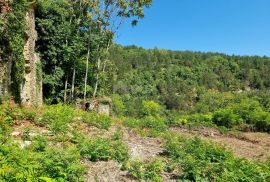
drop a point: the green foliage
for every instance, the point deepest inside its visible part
(13, 42)
(101, 121)
(131, 122)
(154, 124)
(104, 149)
(57, 117)
(247, 111)
(74, 37)
(200, 118)
(204, 161)
(185, 81)
(51, 164)
(227, 118)
(39, 143)
(119, 107)
(150, 108)
(146, 170)
(149, 125)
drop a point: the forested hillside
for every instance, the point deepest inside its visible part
(180, 80)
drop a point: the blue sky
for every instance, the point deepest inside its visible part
(240, 27)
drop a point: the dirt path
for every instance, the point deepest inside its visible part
(255, 146)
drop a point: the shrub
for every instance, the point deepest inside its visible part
(131, 122)
(39, 143)
(156, 123)
(200, 118)
(146, 170)
(98, 120)
(150, 108)
(58, 117)
(53, 164)
(206, 161)
(246, 108)
(261, 121)
(119, 107)
(103, 149)
(29, 115)
(62, 164)
(227, 118)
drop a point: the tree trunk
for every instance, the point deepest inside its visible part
(86, 73)
(103, 70)
(65, 93)
(97, 78)
(73, 83)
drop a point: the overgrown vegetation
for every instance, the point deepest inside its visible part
(12, 42)
(203, 161)
(56, 150)
(55, 153)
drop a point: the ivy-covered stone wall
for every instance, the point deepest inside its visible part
(20, 75)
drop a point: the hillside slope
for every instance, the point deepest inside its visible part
(57, 143)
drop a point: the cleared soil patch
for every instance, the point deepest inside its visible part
(141, 147)
(106, 171)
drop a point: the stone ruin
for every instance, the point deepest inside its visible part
(31, 93)
(101, 105)
(31, 89)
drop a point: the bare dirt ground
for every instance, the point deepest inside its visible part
(106, 171)
(254, 146)
(141, 147)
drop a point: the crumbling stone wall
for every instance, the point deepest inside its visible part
(100, 105)
(31, 92)
(5, 68)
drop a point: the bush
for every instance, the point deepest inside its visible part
(52, 164)
(246, 113)
(156, 123)
(131, 122)
(58, 117)
(150, 108)
(119, 107)
(98, 120)
(206, 161)
(261, 121)
(39, 143)
(146, 170)
(246, 109)
(103, 149)
(149, 125)
(29, 115)
(227, 118)
(200, 118)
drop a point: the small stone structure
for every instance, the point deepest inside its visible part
(101, 105)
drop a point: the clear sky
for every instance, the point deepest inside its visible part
(240, 27)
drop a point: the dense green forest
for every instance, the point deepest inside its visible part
(181, 80)
(176, 115)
